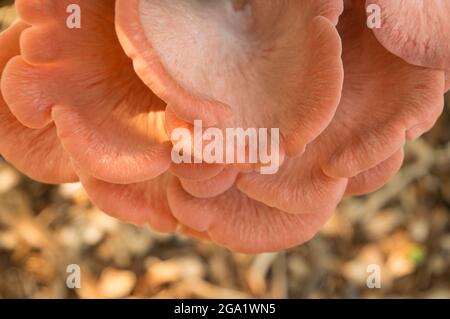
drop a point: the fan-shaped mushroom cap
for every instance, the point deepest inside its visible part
(108, 121)
(35, 152)
(418, 31)
(258, 64)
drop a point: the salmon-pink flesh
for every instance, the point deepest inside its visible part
(39, 152)
(108, 121)
(257, 64)
(418, 31)
(242, 224)
(383, 97)
(140, 203)
(36, 152)
(384, 100)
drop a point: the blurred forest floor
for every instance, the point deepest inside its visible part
(404, 227)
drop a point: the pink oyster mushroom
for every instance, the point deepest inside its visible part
(98, 105)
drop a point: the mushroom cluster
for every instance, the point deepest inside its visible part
(346, 82)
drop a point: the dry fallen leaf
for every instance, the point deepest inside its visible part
(174, 270)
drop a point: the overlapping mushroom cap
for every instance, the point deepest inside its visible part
(76, 91)
(98, 104)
